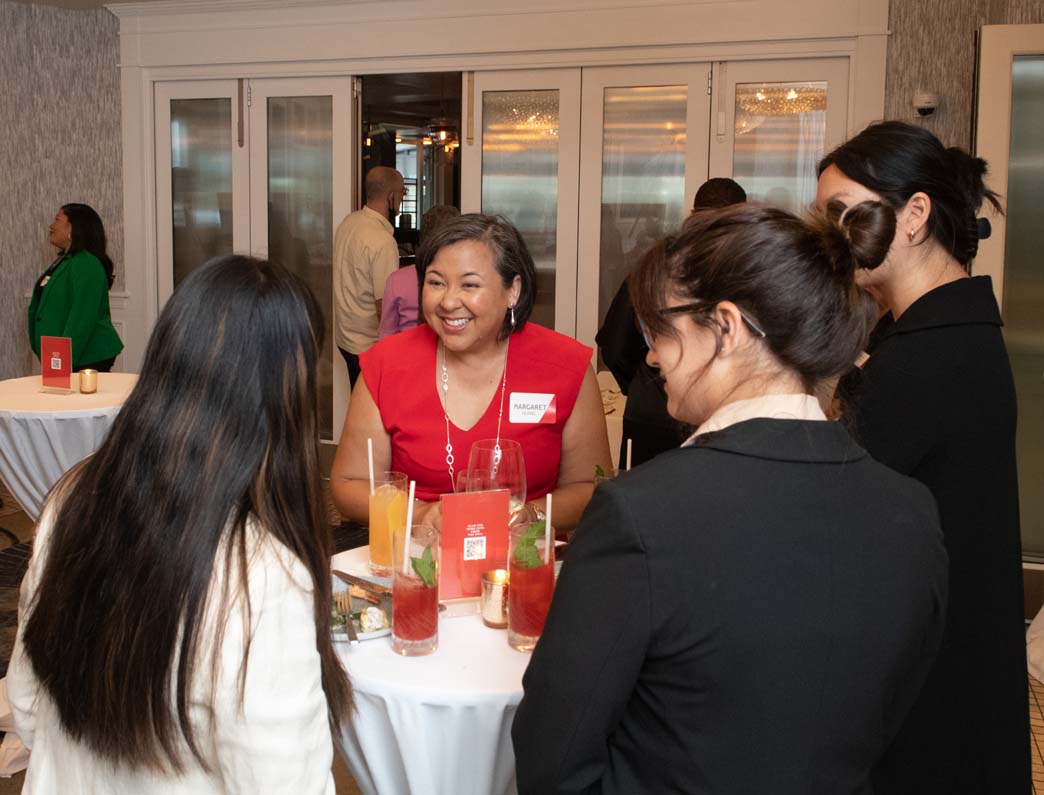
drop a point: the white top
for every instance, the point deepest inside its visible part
(278, 741)
(777, 407)
(365, 255)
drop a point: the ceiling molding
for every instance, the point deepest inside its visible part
(163, 7)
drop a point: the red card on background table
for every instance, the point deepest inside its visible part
(474, 540)
(56, 362)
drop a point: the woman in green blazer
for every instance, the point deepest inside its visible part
(71, 298)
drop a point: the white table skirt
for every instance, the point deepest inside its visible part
(434, 724)
(43, 435)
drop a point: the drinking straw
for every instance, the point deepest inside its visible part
(547, 530)
(369, 457)
(628, 455)
(409, 525)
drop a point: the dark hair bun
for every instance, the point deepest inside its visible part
(857, 237)
(869, 228)
(969, 172)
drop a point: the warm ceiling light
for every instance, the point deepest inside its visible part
(367, 140)
(398, 139)
(426, 141)
(780, 100)
(442, 129)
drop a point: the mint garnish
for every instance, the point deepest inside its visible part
(425, 567)
(526, 554)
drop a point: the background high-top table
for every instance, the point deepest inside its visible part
(438, 724)
(42, 434)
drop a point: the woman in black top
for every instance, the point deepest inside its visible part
(753, 612)
(936, 401)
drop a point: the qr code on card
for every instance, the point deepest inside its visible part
(56, 363)
(475, 548)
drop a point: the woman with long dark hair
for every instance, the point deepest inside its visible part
(174, 631)
(71, 298)
(755, 611)
(936, 401)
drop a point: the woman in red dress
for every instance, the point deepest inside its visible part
(475, 370)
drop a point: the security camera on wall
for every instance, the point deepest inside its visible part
(925, 102)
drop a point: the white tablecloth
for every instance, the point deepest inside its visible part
(42, 435)
(434, 724)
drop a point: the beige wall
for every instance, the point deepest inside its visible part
(932, 48)
(60, 134)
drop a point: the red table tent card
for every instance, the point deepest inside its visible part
(56, 362)
(474, 540)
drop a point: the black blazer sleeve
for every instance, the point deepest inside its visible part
(587, 662)
(619, 340)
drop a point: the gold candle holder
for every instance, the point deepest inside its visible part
(88, 381)
(495, 598)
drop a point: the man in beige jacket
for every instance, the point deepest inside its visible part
(365, 255)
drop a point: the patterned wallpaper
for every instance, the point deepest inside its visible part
(60, 128)
(932, 48)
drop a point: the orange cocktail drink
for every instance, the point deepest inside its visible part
(387, 514)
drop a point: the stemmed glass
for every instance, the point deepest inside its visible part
(498, 464)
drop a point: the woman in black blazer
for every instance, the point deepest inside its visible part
(755, 611)
(936, 401)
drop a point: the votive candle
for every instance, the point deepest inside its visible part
(88, 381)
(494, 598)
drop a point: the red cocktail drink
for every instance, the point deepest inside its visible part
(415, 590)
(415, 607)
(529, 597)
(531, 581)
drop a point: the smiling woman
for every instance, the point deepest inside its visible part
(473, 372)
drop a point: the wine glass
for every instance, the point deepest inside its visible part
(498, 464)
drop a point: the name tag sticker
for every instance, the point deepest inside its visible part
(532, 408)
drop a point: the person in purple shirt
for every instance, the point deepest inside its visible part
(399, 305)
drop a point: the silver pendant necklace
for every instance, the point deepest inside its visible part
(445, 414)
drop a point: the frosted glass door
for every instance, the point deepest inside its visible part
(643, 155)
(522, 162)
(1024, 288)
(300, 188)
(201, 161)
(772, 123)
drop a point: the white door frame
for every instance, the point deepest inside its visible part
(162, 277)
(727, 75)
(340, 90)
(595, 80)
(998, 46)
(567, 83)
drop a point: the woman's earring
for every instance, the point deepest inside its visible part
(910, 235)
(512, 308)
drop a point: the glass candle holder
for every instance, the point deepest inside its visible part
(495, 598)
(88, 381)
